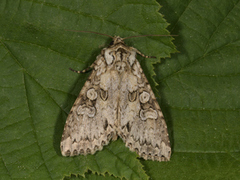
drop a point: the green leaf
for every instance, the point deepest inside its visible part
(38, 89)
(199, 86)
(200, 89)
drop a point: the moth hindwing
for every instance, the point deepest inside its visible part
(116, 100)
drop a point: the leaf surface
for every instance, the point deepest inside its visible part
(199, 88)
(38, 89)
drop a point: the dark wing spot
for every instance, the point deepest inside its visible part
(103, 94)
(155, 157)
(132, 96)
(129, 145)
(103, 143)
(88, 151)
(137, 150)
(105, 125)
(96, 148)
(128, 127)
(75, 152)
(68, 152)
(81, 151)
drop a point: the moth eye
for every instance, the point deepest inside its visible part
(103, 94)
(111, 43)
(92, 94)
(132, 96)
(144, 97)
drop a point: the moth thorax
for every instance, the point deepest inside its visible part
(120, 66)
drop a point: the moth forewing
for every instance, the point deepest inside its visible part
(116, 100)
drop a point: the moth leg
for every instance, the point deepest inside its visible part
(143, 55)
(83, 71)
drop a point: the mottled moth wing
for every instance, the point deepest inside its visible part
(116, 100)
(87, 128)
(143, 127)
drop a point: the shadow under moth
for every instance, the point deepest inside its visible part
(116, 100)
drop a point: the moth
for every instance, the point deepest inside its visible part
(116, 100)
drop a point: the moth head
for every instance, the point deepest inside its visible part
(116, 40)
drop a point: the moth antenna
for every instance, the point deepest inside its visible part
(146, 35)
(91, 32)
